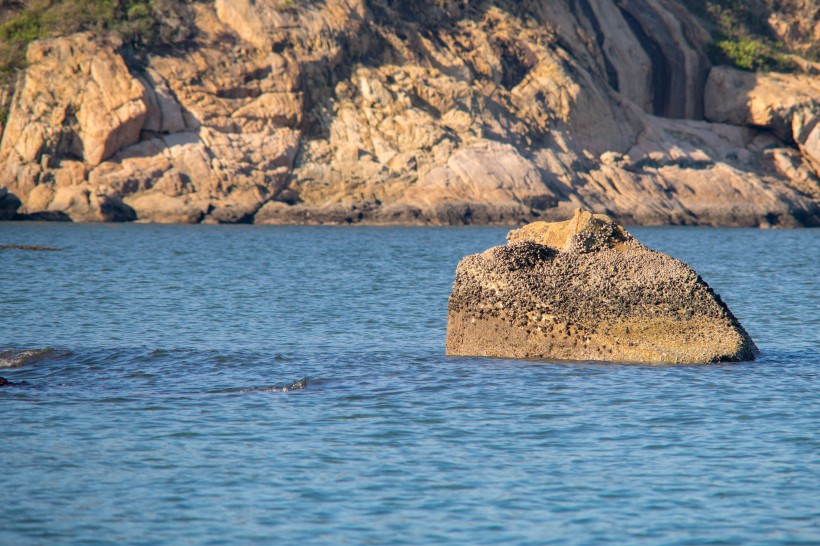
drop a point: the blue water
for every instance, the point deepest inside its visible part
(156, 401)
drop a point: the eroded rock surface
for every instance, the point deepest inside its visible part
(786, 104)
(374, 111)
(585, 289)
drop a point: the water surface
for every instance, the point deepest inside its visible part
(251, 384)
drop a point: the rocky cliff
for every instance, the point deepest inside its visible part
(436, 112)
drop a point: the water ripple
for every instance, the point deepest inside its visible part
(155, 392)
(14, 358)
(294, 386)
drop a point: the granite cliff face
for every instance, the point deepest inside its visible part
(394, 112)
(585, 289)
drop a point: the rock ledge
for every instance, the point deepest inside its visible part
(585, 289)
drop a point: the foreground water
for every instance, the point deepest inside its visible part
(247, 384)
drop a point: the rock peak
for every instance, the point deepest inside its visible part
(584, 232)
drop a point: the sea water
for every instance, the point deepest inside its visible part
(288, 385)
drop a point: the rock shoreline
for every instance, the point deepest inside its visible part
(357, 111)
(479, 214)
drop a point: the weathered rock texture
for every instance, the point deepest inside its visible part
(585, 289)
(388, 111)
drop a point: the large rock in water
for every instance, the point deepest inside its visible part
(585, 289)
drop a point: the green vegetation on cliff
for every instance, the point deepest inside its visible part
(742, 36)
(136, 22)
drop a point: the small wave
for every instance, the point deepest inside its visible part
(14, 358)
(295, 386)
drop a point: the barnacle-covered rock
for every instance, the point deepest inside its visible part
(585, 289)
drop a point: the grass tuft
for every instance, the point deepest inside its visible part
(741, 35)
(140, 23)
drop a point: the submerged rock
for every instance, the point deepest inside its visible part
(585, 289)
(28, 247)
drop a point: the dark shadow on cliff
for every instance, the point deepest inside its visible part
(9, 203)
(43, 216)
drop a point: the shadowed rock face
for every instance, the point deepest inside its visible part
(585, 289)
(8, 204)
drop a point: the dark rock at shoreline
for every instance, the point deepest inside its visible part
(9, 203)
(585, 289)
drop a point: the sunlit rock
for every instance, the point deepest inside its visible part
(585, 289)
